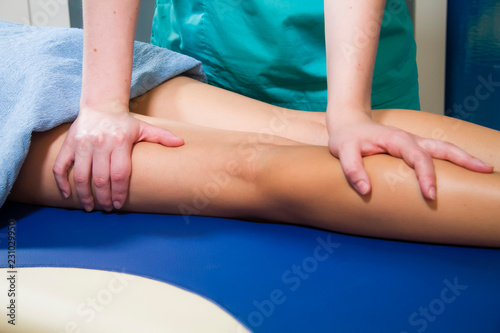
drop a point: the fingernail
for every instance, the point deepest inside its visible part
(362, 187)
(117, 204)
(432, 193)
(65, 195)
(487, 165)
(88, 208)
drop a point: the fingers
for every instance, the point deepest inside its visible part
(353, 141)
(62, 164)
(102, 160)
(111, 168)
(121, 169)
(101, 178)
(351, 161)
(450, 152)
(121, 163)
(421, 161)
(81, 173)
(151, 133)
(419, 153)
(404, 145)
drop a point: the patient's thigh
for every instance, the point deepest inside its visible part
(162, 177)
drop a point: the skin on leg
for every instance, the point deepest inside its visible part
(190, 101)
(213, 169)
(244, 175)
(481, 142)
(310, 187)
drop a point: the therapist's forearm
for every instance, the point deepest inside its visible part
(109, 28)
(352, 29)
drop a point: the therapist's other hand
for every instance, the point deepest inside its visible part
(99, 144)
(355, 135)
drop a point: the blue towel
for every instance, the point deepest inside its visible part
(40, 83)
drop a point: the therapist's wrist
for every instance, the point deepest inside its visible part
(109, 106)
(352, 99)
(98, 96)
(348, 109)
(338, 116)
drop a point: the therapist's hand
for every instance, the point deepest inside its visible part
(99, 144)
(354, 135)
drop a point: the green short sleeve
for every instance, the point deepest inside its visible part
(274, 51)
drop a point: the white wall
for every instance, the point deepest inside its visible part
(36, 12)
(430, 35)
(15, 11)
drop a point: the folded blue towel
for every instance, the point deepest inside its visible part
(40, 83)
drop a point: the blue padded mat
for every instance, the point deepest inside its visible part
(274, 278)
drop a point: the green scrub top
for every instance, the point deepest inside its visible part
(274, 51)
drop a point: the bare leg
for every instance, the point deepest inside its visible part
(244, 175)
(189, 101)
(466, 210)
(172, 175)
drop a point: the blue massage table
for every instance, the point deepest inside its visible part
(270, 277)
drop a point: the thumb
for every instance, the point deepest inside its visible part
(151, 133)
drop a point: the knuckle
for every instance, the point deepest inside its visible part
(429, 145)
(86, 200)
(80, 178)
(351, 172)
(100, 181)
(458, 157)
(399, 135)
(420, 153)
(97, 138)
(83, 145)
(119, 137)
(58, 170)
(81, 138)
(120, 196)
(105, 203)
(119, 193)
(420, 157)
(119, 176)
(425, 178)
(453, 149)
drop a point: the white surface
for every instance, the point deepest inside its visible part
(430, 35)
(57, 300)
(15, 11)
(36, 12)
(49, 13)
